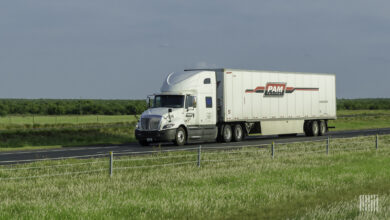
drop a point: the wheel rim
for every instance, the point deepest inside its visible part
(315, 128)
(323, 129)
(227, 133)
(180, 136)
(238, 132)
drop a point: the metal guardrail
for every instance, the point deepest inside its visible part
(190, 156)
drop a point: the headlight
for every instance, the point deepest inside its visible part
(167, 126)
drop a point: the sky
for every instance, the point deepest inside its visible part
(121, 49)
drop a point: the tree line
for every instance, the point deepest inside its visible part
(129, 107)
(363, 104)
(70, 107)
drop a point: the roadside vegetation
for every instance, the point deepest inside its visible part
(363, 104)
(361, 119)
(49, 137)
(80, 122)
(130, 107)
(32, 121)
(70, 107)
(37, 132)
(301, 182)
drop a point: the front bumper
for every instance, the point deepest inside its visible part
(156, 136)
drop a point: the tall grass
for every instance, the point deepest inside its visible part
(293, 185)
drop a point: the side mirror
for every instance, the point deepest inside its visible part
(169, 110)
(150, 101)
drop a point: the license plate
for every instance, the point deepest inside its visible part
(149, 139)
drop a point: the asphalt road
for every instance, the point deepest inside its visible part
(101, 151)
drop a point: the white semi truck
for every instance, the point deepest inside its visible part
(229, 104)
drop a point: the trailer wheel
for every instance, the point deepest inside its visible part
(226, 133)
(180, 137)
(322, 128)
(143, 143)
(314, 128)
(237, 133)
(307, 128)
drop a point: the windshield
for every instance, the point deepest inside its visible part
(169, 101)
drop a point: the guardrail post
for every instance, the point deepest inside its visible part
(199, 154)
(327, 145)
(111, 162)
(273, 150)
(376, 141)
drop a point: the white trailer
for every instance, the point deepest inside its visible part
(229, 104)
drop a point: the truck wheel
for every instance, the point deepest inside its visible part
(314, 128)
(307, 128)
(180, 138)
(322, 128)
(143, 143)
(227, 133)
(237, 133)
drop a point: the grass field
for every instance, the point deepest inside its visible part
(37, 132)
(29, 120)
(28, 132)
(363, 119)
(254, 186)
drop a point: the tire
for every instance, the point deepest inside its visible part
(306, 128)
(143, 143)
(238, 133)
(314, 130)
(220, 134)
(180, 137)
(322, 128)
(227, 133)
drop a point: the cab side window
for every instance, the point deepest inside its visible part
(207, 81)
(209, 102)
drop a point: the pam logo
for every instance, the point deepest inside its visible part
(275, 89)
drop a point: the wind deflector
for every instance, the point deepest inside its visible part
(215, 70)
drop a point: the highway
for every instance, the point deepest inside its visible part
(12, 157)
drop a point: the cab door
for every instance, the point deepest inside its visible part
(191, 113)
(192, 118)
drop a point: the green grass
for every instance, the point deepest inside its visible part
(254, 186)
(42, 132)
(26, 132)
(64, 119)
(22, 139)
(362, 112)
(365, 119)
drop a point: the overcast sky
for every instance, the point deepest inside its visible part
(123, 49)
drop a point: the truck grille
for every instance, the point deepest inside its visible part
(150, 123)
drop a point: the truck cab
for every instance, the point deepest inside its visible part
(184, 110)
